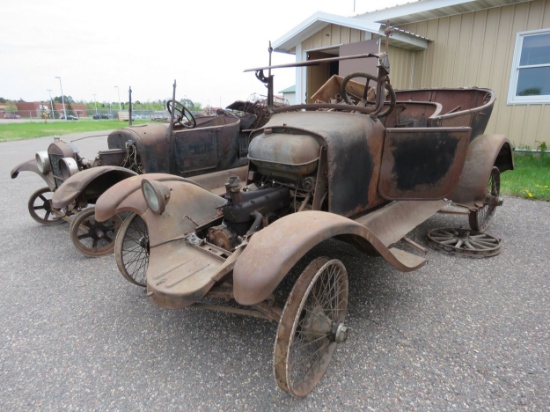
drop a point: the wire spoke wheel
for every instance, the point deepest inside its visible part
(311, 326)
(40, 208)
(479, 219)
(132, 250)
(91, 237)
(465, 242)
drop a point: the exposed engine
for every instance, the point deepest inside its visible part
(289, 183)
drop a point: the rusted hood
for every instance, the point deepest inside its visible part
(76, 184)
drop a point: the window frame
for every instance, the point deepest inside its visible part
(516, 67)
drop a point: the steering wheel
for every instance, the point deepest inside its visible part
(368, 94)
(182, 113)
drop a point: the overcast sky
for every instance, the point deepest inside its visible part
(96, 45)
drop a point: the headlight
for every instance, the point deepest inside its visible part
(43, 162)
(156, 195)
(67, 167)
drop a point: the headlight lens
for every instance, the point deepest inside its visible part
(156, 195)
(43, 162)
(67, 167)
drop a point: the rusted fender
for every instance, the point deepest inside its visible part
(126, 195)
(484, 152)
(30, 166)
(273, 251)
(114, 200)
(93, 182)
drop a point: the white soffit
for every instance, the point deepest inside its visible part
(318, 21)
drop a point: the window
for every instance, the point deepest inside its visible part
(530, 77)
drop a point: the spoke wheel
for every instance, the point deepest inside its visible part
(40, 207)
(311, 326)
(91, 237)
(479, 219)
(465, 242)
(132, 250)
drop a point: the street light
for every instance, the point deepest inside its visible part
(51, 102)
(119, 105)
(62, 98)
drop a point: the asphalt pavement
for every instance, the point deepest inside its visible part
(458, 334)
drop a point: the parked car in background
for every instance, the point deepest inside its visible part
(102, 116)
(11, 116)
(71, 117)
(188, 147)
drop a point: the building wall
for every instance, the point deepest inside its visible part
(476, 49)
(333, 35)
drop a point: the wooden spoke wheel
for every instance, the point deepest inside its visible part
(465, 242)
(40, 208)
(479, 219)
(132, 250)
(311, 326)
(91, 237)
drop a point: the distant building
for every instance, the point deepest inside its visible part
(37, 109)
(289, 94)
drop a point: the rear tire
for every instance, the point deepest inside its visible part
(479, 220)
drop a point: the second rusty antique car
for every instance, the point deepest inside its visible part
(364, 166)
(187, 146)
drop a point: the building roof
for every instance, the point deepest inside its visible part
(373, 22)
(291, 89)
(431, 9)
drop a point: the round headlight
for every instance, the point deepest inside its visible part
(43, 162)
(156, 195)
(67, 167)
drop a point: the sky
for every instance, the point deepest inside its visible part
(99, 49)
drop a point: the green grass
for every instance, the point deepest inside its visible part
(530, 179)
(20, 131)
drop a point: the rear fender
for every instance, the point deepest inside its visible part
(90, 182)
(483, 154)
(31, 166)
(286, 240)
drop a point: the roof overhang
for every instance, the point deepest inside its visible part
(431, 9)
(318, 21)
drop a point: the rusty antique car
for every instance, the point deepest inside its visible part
(186, 146)
(365, 165)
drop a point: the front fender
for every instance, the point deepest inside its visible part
(31, 166)
(127, 196)
(484, 152)
(91, 182)
(273, 251)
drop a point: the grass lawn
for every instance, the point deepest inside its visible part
(28, 130)
(530, 179)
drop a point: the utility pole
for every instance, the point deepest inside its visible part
(95, 101)
(51, 103)
(119, 105)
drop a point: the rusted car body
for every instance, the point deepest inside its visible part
(364, 173)
(184, 148)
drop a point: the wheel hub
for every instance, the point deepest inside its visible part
(341, 332)
(316, 324)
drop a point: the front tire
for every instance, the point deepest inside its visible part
(132, 250)
(311, 326)
(91, 237)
